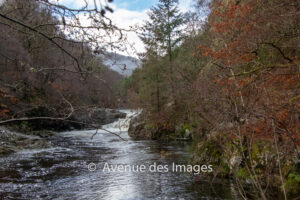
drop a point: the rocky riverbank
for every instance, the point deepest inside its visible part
(140, 129)
(34, 134)
(225, 154)
(12, 141)
(89, 118)
(96, 117)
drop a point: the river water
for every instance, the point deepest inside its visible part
(62, 172)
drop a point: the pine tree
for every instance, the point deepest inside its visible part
(161, 34)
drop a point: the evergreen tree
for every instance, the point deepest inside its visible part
(161, 34)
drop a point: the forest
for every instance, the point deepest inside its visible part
(224, 76)
(234, 84)
(44, 71)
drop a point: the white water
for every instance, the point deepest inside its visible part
(122, 124)
(62, 172)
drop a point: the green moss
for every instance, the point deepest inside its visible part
(224, 171)
(181, 133)
(186, 127)
(255, 153)
(242, 173)
(211, 151)
(292, 184)
(149, 126)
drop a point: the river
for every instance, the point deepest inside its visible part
(62, 172)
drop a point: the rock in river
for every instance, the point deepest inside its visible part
(98, 116)
(11, 142)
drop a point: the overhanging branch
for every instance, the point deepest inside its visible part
(43, 35)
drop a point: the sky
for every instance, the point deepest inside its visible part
(128, 13)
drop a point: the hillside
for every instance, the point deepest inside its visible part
(124, 65)
(42, 72)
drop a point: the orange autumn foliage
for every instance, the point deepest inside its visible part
(253, 46)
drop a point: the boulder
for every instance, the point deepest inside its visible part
(80, 119)
(11, 142)
(137, 127)
(97, 116)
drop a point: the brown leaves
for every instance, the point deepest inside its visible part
(4, 113)
(11, 98)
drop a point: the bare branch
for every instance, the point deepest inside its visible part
(45, 36)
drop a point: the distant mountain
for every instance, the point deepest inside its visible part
(120, 63)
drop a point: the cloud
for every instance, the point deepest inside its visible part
(81, 3)
(185, 5)
(127, 18)
(124, 17)
(72, 3)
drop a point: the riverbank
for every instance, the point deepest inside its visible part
(35, 134)
(256, 163)
(12, 141)
(217, 150)
(61, 172)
